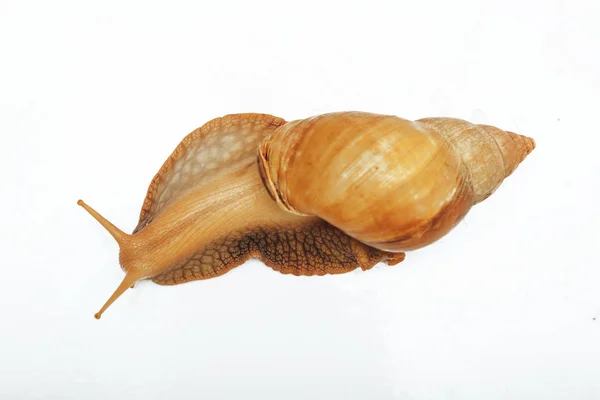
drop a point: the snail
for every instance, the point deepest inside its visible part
(322, 195)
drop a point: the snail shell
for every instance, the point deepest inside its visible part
(391, 183)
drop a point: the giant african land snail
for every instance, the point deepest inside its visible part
(316, 196)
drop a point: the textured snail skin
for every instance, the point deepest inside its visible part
(350, 189)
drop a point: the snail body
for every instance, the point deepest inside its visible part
(323, 195)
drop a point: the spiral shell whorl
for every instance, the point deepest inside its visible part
(490, 154)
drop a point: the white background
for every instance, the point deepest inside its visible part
(94, 95)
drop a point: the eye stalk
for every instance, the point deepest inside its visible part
(123, 240)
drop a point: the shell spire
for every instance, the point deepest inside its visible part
(489, 153)
(514, 147)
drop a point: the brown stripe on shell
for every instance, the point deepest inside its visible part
(426, 232)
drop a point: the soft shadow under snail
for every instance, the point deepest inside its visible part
(322, 195)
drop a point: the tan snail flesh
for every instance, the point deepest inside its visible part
(328, 194)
